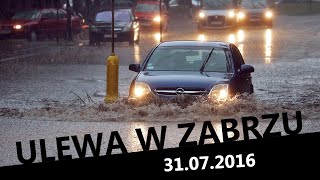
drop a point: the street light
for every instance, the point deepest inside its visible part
(112, 69)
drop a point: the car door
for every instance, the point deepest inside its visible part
(44, 23)
(242, 81)
(63, 21)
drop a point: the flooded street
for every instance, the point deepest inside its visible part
(47, 90)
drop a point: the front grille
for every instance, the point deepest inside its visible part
(216, 20)
(255, 16)
(180, 91)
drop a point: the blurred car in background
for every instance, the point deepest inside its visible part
(126, 27)
(213, 70)
(252, 12)
(148, 14)
(217, 14)
(34, 24)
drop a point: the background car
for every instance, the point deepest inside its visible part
(217, 14)
(198, 69)
(33, 24)
(255, 12)
(126, 27)
(148, 14)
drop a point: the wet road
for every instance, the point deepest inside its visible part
(47, 88)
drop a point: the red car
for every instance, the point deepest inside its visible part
(148, 14)
(33, 24)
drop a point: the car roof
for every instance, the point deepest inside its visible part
(217, 44)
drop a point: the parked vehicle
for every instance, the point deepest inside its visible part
(126, 27)
(213, 70)
(34, 24)
(148, 14)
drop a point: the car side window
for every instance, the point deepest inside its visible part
(217, 62)
(237, 57)
(47, 14)
(62, 14)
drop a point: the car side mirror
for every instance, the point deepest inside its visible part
(246, 69)
(134, 67)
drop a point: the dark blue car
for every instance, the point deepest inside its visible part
(215, 70)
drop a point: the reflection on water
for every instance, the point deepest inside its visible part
(157, 37)
(255, 41)
(202, 37)
(136, 52)
(268, 45)
(240, 36)
(232, 38)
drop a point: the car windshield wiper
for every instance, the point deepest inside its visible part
(206, 60)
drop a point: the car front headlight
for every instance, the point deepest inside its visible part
(219, 92)
(231, 14)
(241, 15)
(17, 27)
(201, 15)
(140, 90)
(269, 14)
(157, 19)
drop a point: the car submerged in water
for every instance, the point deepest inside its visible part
(255, 12)
(214, 70)
(214, 14)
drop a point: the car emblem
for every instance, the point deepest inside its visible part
(179, 91)
(216, 17)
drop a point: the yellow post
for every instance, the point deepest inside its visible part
(112, 79)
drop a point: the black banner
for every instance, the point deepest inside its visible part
(258, 158)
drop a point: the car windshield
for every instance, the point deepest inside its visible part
(106, 16)
(187, 59)
(253, 4)
(147, 8)
(217, 4)
(26, 15)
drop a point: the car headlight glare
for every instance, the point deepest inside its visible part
(140, 90)
(157, 19)
(231, 14)
(201, 15)
(219, 92)
(269, 14)
(241, 15)
(18, 26)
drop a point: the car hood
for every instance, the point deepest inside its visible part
(109, 24)
(144, 15)
(254, 11)
(182, 79)
(223, 12)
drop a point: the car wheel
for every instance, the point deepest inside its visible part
(33, 36)
(91, 39)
